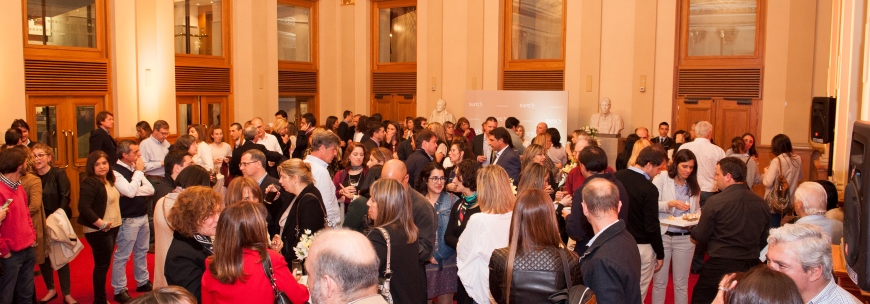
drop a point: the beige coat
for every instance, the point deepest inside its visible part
(64, 245)
(33, 186)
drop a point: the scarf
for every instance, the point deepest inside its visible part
(205, 242)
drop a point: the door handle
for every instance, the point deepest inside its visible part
(71, 156)
(65, 141)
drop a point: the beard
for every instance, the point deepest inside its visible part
(22, 170)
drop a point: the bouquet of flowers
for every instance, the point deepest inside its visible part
(301, 248)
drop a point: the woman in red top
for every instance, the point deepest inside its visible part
(234, 274)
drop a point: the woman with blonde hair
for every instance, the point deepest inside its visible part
(534, 243)
(545, 140)
(390, 208)
(193, 220)
(635, 151)
(243, 188)
(203, 157)
(235, 273)
(306, 210)
(441, 151)
(485, 231)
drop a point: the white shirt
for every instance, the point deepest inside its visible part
(203, 156)
(707, 155)
(271, 143)
(137, 186)
(323, 182)
(487, 152)
(599, 233)
(153, 153)
(483, 233)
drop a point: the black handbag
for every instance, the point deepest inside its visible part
(572, 293)
(280, 296)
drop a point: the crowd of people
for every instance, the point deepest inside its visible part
(381, 211)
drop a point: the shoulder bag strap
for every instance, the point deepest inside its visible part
(387, 273)
(565, 268)
(325, 218)
(267, 267)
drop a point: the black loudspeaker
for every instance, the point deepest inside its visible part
(856, 224)
(822, 121)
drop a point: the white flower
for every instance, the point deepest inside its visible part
(305, 240)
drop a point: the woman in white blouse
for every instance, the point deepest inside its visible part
(485, 231)
(679, 193)
(220, 150)
(203, 157)
(786, 163)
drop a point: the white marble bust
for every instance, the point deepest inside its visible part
(605, 121)
(440, 114)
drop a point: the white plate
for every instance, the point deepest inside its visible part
(680, 222)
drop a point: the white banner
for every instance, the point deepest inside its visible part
(530, 107)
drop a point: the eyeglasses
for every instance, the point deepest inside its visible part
(438, 179)
(243, 164)
(40, 155)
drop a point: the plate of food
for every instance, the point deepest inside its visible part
(686, 220)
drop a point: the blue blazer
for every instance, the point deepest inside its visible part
(510, 162)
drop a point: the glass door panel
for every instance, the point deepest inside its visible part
(46, 127)
(295, 106)
(84, 125)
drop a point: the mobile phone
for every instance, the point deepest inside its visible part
(6, 205)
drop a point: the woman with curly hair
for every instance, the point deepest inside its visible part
(194, 221)
(441, 276)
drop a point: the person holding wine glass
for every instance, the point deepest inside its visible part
(346, 180)
(305, 211)
(679, 193)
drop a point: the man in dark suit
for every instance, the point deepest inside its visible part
(593, 165)
(643, 214)
(427, 143)
(249, 144)
(733, 227)
(101, 139)
(480, 146)
(253, 165)
(663, 139)
(611, 265)
(375, 134)
(345, 132)
(306, 126)
(505, 156)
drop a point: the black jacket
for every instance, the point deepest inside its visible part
(667, 142)
(55, 191)
(92, 201)
(370, 144)
(577, 225)
(424, 218)
(301, 144)
(455, 227)
(408, 282)
(185, 264)
(643, 214)
(309, 217)
(101, 140)
(611, 266)
(274, 209)
(250, 145)
(415, 164)
(536, 275)
(477, 145)
(343, 133)
(405, 150)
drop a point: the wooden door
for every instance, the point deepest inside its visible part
(729, 117)
(383, 103)
(394, 106)
(733, 118)
(64, 123)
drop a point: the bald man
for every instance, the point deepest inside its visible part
(343, 268)
(541, 128)
(267, 140)
(424, 213)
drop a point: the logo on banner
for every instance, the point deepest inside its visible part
(553, 121)
(475, 104)
(527, 105)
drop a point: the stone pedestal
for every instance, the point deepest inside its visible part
(610, 145)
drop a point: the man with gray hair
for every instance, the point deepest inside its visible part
(803, 252)
(324, 147)
(810, 203)
(342, 268)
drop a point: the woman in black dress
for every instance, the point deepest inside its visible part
(306, 210)
(390, 207)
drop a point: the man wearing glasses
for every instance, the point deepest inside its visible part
(249, 133)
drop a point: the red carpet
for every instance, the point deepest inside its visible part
(81, 278)
(82, 283)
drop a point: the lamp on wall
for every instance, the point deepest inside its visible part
(348, 2)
